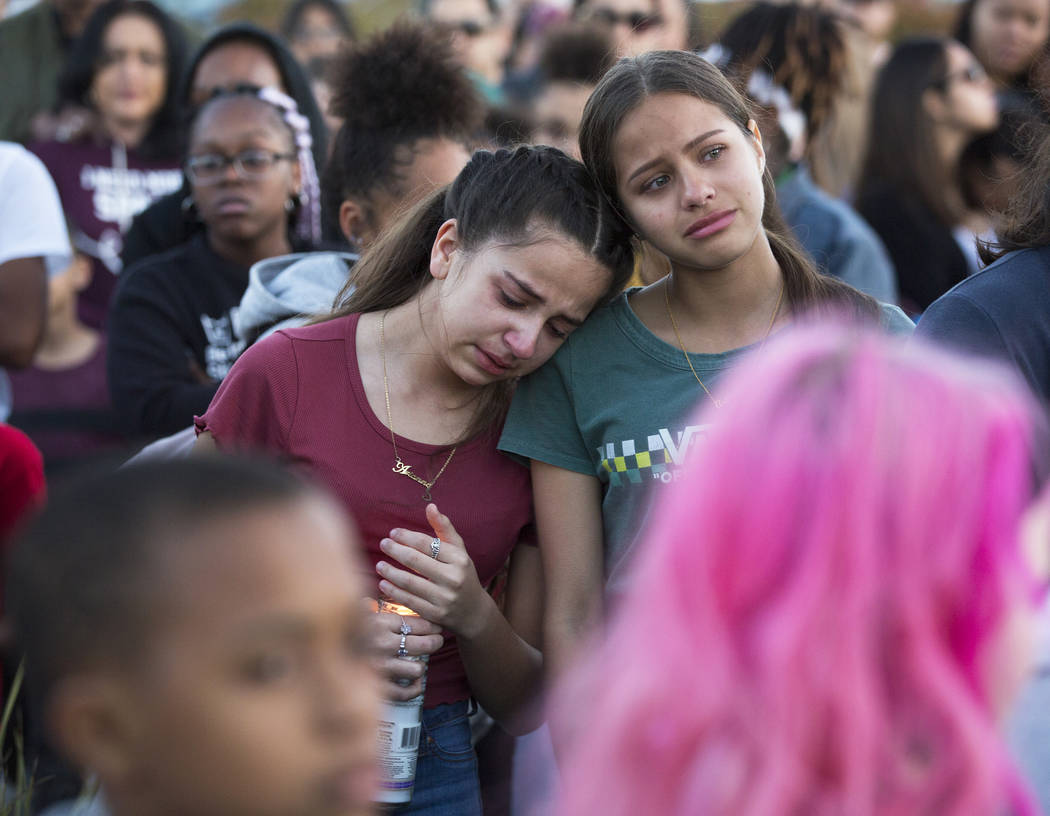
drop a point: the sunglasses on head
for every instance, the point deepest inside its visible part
(636, 20)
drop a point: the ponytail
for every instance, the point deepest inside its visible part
(808, 290)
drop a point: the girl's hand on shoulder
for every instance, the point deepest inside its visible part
(401, 678)
(443, 588)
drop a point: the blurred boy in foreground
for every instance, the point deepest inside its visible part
(193, 633)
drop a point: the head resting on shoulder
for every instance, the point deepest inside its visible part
(500, 195)
(514, 198)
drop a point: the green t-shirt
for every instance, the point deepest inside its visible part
(618, 403)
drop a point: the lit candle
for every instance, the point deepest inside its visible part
(400, 726)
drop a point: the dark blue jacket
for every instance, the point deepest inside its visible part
(1002, 312)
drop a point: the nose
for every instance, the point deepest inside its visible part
(523, 338)
(229, 174)
(697, 188)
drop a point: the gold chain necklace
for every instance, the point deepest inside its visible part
(399, 466)
(681, 345)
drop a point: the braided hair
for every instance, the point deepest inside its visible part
(504, 195)
(802, 49)
(308, 210)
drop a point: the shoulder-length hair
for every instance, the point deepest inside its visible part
(163, 139)
(633, 79)
(814, 613)
(902, 149)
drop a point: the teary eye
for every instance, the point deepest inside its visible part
(656, 183)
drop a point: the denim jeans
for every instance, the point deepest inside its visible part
(447, 769)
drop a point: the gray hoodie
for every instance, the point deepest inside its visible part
(286, 291)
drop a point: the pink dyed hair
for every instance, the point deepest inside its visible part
(808, 620)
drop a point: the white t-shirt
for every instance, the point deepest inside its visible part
(31, 222)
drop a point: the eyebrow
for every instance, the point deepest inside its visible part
(703, 137)
(532, 293)
(250, 134)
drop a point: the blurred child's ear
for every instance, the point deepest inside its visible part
(90, 721)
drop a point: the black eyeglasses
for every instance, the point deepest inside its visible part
(636, 20)
(972, 73)
(248, 164)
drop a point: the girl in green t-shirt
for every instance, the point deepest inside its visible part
(676, 150)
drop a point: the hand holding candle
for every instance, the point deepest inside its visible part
(402, 679)
(442, 588)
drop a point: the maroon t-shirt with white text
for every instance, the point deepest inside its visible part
(298, 394)
(103, 187)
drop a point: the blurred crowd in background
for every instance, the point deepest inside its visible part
(180, 181)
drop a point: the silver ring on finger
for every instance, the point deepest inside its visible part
(405, 628)
(435, 548)
(401, 650)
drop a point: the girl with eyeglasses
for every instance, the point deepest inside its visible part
(255, 190)
(931, 98)
(236, 54)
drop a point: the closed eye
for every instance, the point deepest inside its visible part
(559, 334)
(509, 302)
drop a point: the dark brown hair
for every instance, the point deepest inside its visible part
(628, 84)
(1028, 216)
(902, 151)
(499, 196)
(803, 47)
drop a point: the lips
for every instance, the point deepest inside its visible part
(710, 224)
(492, 364)
(232, 205)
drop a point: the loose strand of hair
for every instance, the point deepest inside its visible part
(396, 267)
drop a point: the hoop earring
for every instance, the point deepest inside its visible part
(189, 208)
